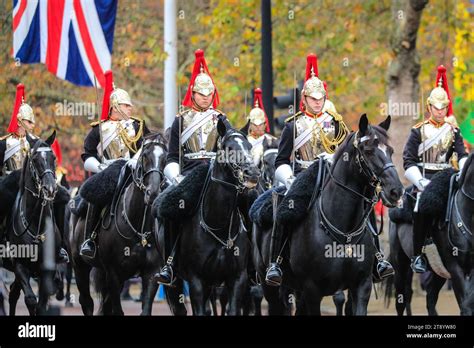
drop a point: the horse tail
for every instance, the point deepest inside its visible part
(99, 281)
(389, 286)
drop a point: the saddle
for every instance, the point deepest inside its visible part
(405, 213)
(100, 188)
(181, 201)
(296, 204)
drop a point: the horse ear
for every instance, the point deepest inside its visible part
(30, 140)
(363, 124)
(51, 138)
(221, 128)
(386, 124)
(265, 143)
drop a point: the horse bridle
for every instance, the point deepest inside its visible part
(268, 182)
(236, 169)
(138, 176)
(37, 178)
(374, 181)
(374, 178)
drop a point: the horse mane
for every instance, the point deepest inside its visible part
(465, 169)
(156, 136)
(347, 147)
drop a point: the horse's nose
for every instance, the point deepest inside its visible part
(396, 193)
(252, 173)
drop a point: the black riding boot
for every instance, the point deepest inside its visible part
(421, 224)
(274, 275)
(59, 209)
(124, 175)
(88, 248)
(383, 268)
(166, 275)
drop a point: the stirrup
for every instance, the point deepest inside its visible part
(93, 248)
(276, 278)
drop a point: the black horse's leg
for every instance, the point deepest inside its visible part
(83, 271)
(15, 290)
(312, 298)
(432, 292)
(224, 300)
(361, 296)
(22, 273)
(175, 298)
(459, 282)
(401, 283)
(409, 290)
(275, 304)
(197, 293)
(339, 298)
(149, 289)
(68, 284)
(236, 288)
(114, 287)
(257, 296)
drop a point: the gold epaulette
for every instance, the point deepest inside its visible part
(292, 117)
(337, 117)
(418, 125)
(183, 112)
(136, 119)
(219, 111)
(96, 123)
(4, 137)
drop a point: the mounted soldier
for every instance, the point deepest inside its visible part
(117, 136)
(433, 145)
(14, 147)
(314, 132)
(193, 141)
(257, 128)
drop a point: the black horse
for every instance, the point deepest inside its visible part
(361, 174)
(401, 252)
(453, 238)
(32, 225)
(267, 164)
(214, 246)
(125, 240)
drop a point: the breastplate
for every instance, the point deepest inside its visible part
(117, 148)
(314, 147)
(203, 140)
(435, 156)
(16, 160)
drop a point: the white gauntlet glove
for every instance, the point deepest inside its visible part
(413, 174)
(284, 175)
(171, 172)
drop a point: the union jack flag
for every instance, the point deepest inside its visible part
(74, 38)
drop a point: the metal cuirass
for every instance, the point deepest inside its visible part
(113, 134)
(314, 146)
(434, 157)
(20, 147)
(201, 142)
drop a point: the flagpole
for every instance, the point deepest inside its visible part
(100, 121)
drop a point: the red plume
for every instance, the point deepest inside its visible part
(442, 74)
(311, 62)
(326, 89)
(198, 62)
(57, 151)
(20, 95)
(109, 79)
(257, 97)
